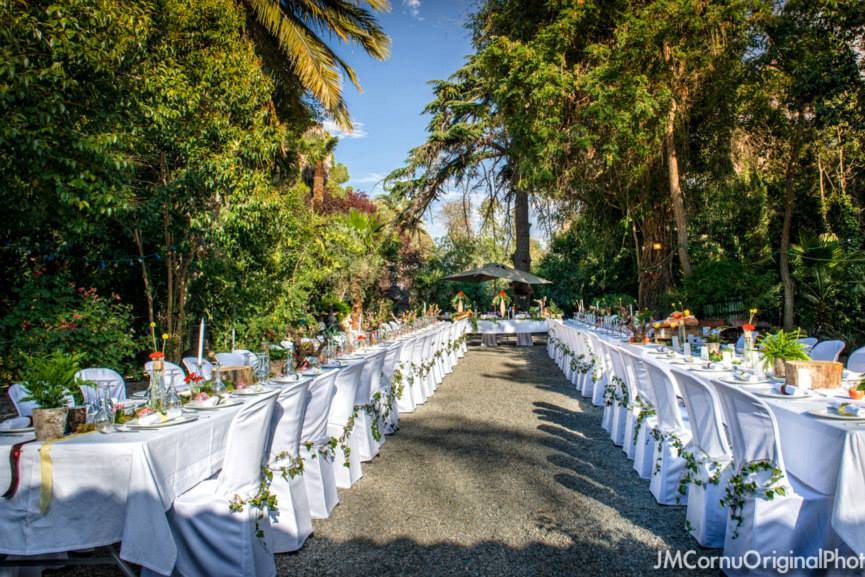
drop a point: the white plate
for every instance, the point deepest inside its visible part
(735, 381)
(775, 394)
(178, 421)
(287, 379)
(139, 394)
(16, 431)
(332, 366)
(827, 414)
(194, 405)
(250, 391)
(705, 370)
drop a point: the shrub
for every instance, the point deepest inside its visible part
(50, 314)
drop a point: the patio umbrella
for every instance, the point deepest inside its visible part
(494, 271)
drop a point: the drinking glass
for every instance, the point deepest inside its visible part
(104, 415)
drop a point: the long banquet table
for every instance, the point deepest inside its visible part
(90, 490)
(511, 326)
(826, 455)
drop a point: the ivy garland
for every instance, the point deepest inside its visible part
(692, 467)
(646, 411)
(742, 485)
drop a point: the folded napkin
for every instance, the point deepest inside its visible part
(848, 408)
(744, 376)
(175, 413)
(15, 423)
(150, 419)
(208, 402)
(790, 390)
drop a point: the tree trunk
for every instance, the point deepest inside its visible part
(522, 256)
(789, 201)
(318, 180)
(676, 198)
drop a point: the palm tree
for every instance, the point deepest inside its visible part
(298, 26)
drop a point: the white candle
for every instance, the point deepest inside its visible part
(631, 310)
(200, 343)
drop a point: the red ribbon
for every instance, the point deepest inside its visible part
(14, 459)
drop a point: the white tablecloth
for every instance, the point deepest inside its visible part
(826, 455)
(110, 488)
(508, 326)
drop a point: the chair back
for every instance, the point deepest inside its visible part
(642, 381)
(631, 376)
(231, 359)
(667, 405)
(752, 427)
(809, 343)
(245, 445)
(618, 368)
(116, 385)
(322, 390)
(206, 369)
(288, 417)
(248, 356)
(704, 415)
(17, 394)
(348, 379)
(371, 378)
(856, 362)
(171, 374)
(827, 350)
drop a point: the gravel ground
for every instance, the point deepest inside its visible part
(505, 471)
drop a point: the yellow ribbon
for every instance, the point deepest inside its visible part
(46, 468)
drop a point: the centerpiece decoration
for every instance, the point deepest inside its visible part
(640, 324)
(713, 341)
(460, 301)
(156, 389)
(49, 381)
(781, 347)
(502, 300)
(748, 332)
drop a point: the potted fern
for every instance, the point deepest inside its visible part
(782, 346)
(49, 381)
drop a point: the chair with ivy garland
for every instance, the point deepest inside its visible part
(341, 425)
(405, 402)
(598, 375)
(214, 534)
(622, 399)
(645, 418)
(318, 463)
(780, 514)
(631, 395)
(291, 525)
(388, 372)
(611, 389)
(367, 435)
(427, 377)
(672, 438)
(709, 463)
(418, 379)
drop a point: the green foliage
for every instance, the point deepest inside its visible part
(49, 378)
(783, 345)
(722, 280)
(52, 315)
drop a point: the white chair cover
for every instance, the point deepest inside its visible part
(707, 519)
(406, 401)
(809, 343)
(391, 360)
(17, 394)
(248, 356)
(211, 539)
(171, 374)
(348, 380)
(231, 359)
(827, 350)
(798, 521)
(669, 465)
(630, 378)
(293, 524)
(600, 369)
(370, 384)
(206, 369)
(318, 474)
(856, 362)
(116, 385)
(644, 443)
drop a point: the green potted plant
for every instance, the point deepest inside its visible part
(782, 346)
(49, 381)
(713, 341)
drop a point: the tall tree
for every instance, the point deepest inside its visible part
(298, 26)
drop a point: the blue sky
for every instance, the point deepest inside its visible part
(429, 41)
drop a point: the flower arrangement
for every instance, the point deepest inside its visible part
(749, 326)
(501, 300)
(460, 301)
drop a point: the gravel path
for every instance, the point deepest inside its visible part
(504, 472)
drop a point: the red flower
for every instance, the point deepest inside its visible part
(157, 355)
(748, 327)
(361, 338)
(677, 315)
(76, 316)
(192, 378)
(461, 294)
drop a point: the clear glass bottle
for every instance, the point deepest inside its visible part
(172, 406)
(104, 417)
(156, 391)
